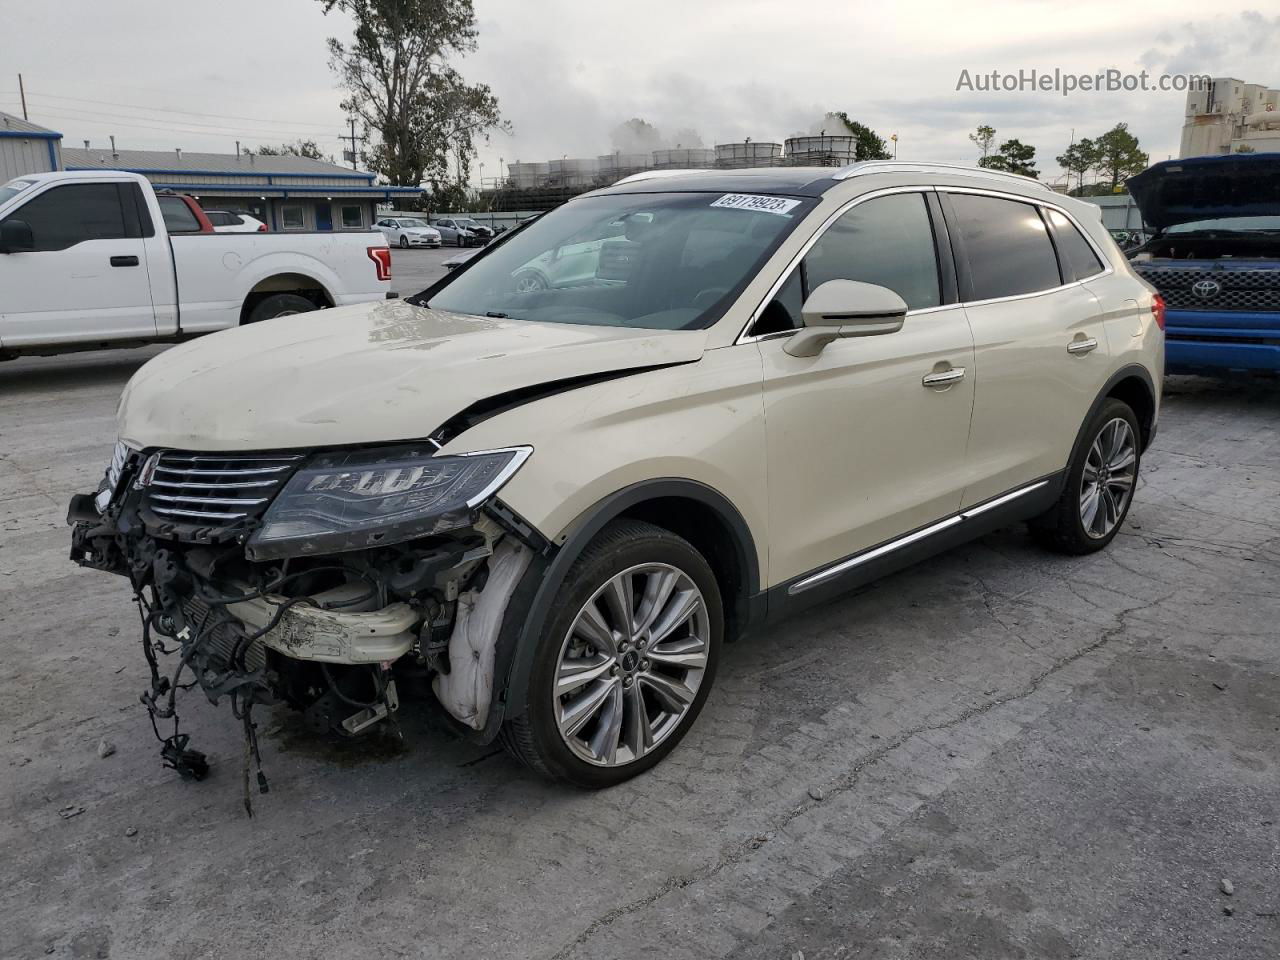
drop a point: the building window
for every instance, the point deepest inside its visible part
(293, 216)
(352, 215)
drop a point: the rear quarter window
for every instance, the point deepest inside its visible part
(1079, 262)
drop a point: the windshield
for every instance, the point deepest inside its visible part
(412, 222)
(13, 188)
(1228, 225)
(663, 261)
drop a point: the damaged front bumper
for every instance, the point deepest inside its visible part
(329, 634)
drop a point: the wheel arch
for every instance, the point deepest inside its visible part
(302, 284)
(693, 510)
(1133, 385)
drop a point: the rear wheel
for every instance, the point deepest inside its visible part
(459, 239)
(280, 305)
(1100, 484)
(623, 670)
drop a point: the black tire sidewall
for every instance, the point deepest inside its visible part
(270, 307)
(582, 580)
(1074, 524)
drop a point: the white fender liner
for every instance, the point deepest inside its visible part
(467, 689)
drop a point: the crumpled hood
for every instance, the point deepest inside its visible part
(1203, 188)
(363, 374)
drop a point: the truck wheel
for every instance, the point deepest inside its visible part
(1100, 484)
(622, 670)
(280, 305)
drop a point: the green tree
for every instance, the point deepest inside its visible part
(299, 148)
(399, 84)
(984, 137)
(1014, 157)
(1119, 156)
(1078, 159)
(867, 144)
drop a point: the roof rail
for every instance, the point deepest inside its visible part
(925, 166)
(658, 174)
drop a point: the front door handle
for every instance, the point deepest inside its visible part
(943, 378)
(1080, 347)
(124, 261)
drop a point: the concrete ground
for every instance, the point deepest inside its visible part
(999, 753)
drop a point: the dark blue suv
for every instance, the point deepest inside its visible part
(1215, 259)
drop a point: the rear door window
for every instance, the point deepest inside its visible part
(1007, 246)
(73, 213)
(1079, 262)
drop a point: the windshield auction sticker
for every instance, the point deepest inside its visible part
(752, 201)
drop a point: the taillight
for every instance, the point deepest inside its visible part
(262, 228)
(381, 257)
(1157, 310)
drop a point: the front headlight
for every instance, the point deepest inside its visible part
(359, 499)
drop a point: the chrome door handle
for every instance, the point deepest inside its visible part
(943, 378)
(1079, 347)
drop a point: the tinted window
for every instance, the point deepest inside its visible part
(887, 241)
(178, 217)
(1007, 245)
(71, 214)
(1078, 259)
(220, 219)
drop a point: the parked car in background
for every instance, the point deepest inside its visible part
(554, 504)
(231, 221)
(96, 259)
(182, 214)
(478, 230)
(1215, 258)
(405, 232)
(454, 233)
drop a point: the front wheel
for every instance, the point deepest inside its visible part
(279, 305)
(404, 242)
(459, 239)
(623, 670)
(1099, 486)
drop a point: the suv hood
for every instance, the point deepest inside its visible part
(365, 374)
(1204, 188)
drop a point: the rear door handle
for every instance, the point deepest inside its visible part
(943, 378)
(1078, 347)
(124, 261)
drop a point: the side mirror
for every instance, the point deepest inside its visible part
(16, 237)
(845, 308)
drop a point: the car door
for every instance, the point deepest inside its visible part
(1040, 342)
(866, 440)
(87, 276)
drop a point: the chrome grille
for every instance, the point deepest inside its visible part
(216, 489)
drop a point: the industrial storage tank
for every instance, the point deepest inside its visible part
(528, 176)
(614, 166)
(821, 151)
(577, 172)
(684, 159)
(748, 153)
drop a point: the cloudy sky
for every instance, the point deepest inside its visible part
(567, 72)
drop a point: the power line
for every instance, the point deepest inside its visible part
(177, 128)
(151, 109)
(74, 113)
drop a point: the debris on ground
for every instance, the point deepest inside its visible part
(69, 811)
(1227, 887)
(130, 831)
(816, 793)
(106, 748)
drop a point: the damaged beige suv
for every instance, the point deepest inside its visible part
(548, 488)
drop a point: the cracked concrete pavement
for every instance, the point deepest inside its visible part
(999, 753)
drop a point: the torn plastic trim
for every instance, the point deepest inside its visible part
(466, 691)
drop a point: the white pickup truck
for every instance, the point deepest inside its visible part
(87, 262)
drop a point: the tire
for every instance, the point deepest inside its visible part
(529, 282)
(642, 556)
(458, 238)
(404, 242)
(1069, 526)
(280, 305)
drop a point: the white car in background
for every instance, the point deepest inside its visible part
(406, 232)
(229, 221)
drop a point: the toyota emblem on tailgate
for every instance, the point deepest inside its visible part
(1204, 289)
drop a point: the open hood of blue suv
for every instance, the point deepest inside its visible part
(1204, 188)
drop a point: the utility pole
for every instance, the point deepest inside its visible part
(353, 138)
(22, 92)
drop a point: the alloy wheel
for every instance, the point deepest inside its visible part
(1108, 478)
(631, 664)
